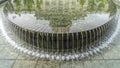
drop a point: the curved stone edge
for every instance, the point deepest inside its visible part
(75, 39)
(83, 37)
(40, 55)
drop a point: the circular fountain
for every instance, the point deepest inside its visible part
(60, 29)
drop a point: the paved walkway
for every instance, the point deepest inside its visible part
(10, 58)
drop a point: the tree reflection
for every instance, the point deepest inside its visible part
(61, 13)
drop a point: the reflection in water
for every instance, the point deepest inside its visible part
(62, 15)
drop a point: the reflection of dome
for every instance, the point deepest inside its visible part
(61, 27)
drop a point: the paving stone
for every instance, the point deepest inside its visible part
(87, 64)
(78, 64)
(113, 64)
(7, 53)
(112, 54)
(2, 47)
(26, 57)
(48, 64)
(98, 64)
(74, 64)
(6, 63)
(3, 41)
(116, 40)
(24, 64)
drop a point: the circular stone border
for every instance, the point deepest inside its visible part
(64, 42)
(104, 33)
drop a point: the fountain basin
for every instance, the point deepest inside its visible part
(53, 31)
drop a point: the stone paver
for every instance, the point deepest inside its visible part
(87, 64)
(98, 56)
(98, 64)
(6, 63)
(25, 57)
(7, 53)
(113, 64)
(112, 53)
(3, 41)
(48, 64)
(2, 47)
(24, 64)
